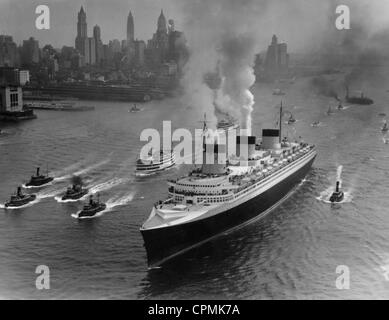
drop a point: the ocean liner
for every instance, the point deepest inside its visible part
(220, 197)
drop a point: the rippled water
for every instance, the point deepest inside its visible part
(292, 253)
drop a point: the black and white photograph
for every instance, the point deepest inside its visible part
(201, 150)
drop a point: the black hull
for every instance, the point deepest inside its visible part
(20, 203)
(92, 212)
(77, 196)
(39, 183)
(165, 243)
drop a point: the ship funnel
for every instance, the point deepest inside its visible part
(37, 171)
(246, 146)
(19, 192)
(215, 161)
(337, 186)
(271, 139)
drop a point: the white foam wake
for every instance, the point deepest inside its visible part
(103, 186)
(67, 175)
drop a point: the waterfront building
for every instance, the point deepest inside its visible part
(11, 99)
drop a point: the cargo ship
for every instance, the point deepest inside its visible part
(218, 198)
(362, 99)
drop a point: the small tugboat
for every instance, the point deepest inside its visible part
(92, 208)
(385, 127)
(316, 124)
(338, 195)
(75, 192)
(135, 109)
(278, 92)
(330, 111)
(292, 120)
(39, 180)
(340, 106)
(19, 199)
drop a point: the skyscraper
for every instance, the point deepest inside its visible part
(158, 46)
(277, 58)
(130, 28)
(82, 33)
(98, 44)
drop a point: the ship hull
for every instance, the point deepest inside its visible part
(162, 244)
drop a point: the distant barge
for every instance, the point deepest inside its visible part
(134, 93)
(60, 107)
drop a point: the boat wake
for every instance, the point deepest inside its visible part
(70, 171)
(59, 199)
(48, 194)
(107, 185)
(37, 187)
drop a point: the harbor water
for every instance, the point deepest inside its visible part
(292, 253)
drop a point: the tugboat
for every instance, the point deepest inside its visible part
(316, 124)
(292, 120)
(135, 109)
(153, 163)
(358, 100)
(338, 195)
(92, 208)
(330, 111)
(340, 106)
(385, 127)
(39, 180)
(19, 199)
(278, 92)
(75, 192)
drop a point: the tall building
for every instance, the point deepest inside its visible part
(82, 32)
(30, 51)
(98, 44)
(90, 54)
(139, 52)
(277, 58)
(9, 55)
(130, 28)
(157, 47)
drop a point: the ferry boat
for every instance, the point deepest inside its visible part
(155, 163)
(219, 198)
(19, 199)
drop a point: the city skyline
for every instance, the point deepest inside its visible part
(112, 20)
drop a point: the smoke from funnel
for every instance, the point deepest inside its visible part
(77, 180)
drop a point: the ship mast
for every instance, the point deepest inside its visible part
(280, 123)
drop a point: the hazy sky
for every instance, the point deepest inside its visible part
(17, 18)
(298, 22)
